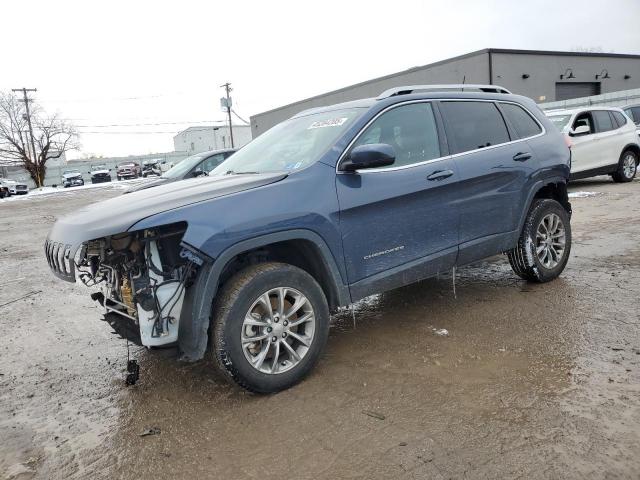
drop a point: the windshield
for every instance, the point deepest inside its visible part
(69, 172)
(184, 166)
(290, 145)
(560, 121)
(99, 167)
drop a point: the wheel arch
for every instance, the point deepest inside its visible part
(554, 188)
(302, 248)
(635, 148)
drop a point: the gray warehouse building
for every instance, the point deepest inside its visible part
(544, 76)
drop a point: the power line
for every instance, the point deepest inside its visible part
(98, 132)
(150, 124)
(115, 99)
(239, 117)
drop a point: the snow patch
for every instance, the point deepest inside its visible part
(441, 332)
(583, 194)
(37, 192)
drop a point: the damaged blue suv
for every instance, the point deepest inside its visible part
(328, 207)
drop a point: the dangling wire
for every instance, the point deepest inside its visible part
(454, 282)
(353, 315)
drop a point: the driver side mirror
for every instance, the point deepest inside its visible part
(581, 130)
(373, 155)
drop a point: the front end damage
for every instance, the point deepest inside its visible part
(142, 275)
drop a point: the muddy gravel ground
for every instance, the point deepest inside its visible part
(532, 381)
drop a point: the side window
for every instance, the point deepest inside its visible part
(584, 119)
(409, 129)
(620, 118)
(636, 115)
(603, 120)
(212, 162)
(474, 125)
(521, 120)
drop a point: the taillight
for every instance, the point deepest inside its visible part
(567, 140)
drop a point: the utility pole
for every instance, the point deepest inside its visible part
(26, 106)
(227, 102)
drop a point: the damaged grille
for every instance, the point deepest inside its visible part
(58, 256)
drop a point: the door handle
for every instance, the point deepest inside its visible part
(440, 175)
(522, 156)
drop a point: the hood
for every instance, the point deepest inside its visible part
(118, 214)
(71, 175)
(7, 182)
(99, 172)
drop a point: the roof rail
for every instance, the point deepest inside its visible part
(424, 88)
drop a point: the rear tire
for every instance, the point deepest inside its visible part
(627, 167)
(544, 245)
(241, 313)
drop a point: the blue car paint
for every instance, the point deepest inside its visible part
(478, 211)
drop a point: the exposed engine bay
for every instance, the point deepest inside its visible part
(143, 277)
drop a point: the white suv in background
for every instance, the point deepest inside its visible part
(603, 142)
(633, 112)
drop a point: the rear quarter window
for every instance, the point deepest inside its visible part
(524, 125)
(620, 118)
(474, 125)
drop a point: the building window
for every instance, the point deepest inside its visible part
(192, 146)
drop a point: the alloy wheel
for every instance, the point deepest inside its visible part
(278, 330)
(629, 165)
(550, 240)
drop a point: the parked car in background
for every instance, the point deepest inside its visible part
(72, 178)
(127, 170)
(331, 206)
(191, 167)
(633, 112)
(14, 187)
(151, 167)
(603, 142)
(100, 174)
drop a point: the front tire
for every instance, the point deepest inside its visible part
(545, 243)
(627, 167)
(271, 323)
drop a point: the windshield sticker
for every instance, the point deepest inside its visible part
(332, 122)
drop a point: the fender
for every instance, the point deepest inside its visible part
(193, 335)
(532, 193)
(634, 147)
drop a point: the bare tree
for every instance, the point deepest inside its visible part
(52, 137)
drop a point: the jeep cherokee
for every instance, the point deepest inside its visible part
(330, 206)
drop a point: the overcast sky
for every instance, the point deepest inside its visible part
(136, 62)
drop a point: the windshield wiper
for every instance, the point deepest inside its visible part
(231, 172)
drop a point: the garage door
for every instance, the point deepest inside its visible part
(568, 90)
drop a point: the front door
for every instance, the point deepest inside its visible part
(399, 223)
(585, 151)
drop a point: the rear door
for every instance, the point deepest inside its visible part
(401, 219)
(610, 139)
(494, 168)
